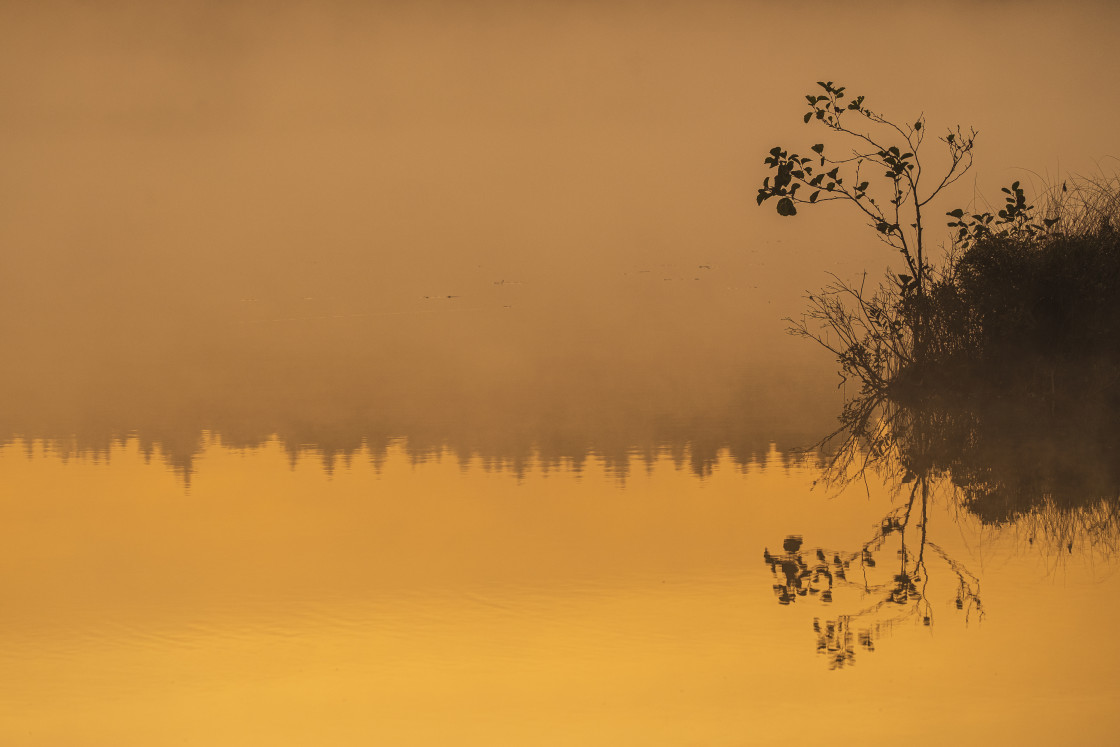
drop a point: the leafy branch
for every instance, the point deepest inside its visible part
(1015, 220)
(894, 206)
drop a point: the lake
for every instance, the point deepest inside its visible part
(418, 374)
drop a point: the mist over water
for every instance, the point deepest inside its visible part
(438, 216)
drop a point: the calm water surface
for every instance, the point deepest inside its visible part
(418, 601)
(415, 374)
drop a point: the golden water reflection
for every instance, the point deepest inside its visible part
(426, 602)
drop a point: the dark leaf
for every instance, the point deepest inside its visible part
(786, 207)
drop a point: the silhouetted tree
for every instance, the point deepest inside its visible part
(893, 204)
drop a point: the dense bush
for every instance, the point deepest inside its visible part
(1033, 314)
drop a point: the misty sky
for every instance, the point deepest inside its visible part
(214, 206)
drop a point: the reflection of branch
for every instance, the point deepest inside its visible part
(968, 585)
(903, 596)
(1054, 475)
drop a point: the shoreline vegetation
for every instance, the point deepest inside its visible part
(1023, 302)
(997, 366)
(1021, 312)
(990, 377)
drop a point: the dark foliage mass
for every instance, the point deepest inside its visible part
(1033, 316)
(991, 377)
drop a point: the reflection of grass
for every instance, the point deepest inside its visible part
(1005, 460)
(1093, 527)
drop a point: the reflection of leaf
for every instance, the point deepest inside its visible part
(792, 543)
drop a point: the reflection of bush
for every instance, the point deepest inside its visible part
(1052, 472)
(1005, 457)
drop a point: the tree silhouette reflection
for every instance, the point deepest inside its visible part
(897, 586)
(1053, 475)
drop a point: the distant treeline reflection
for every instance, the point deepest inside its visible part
(696, 444)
